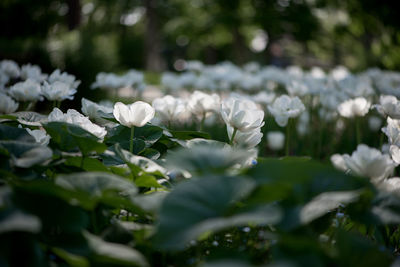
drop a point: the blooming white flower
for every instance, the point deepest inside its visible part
(242, 114)
(58, 91)
(32, 72)
(168, 107)
(389, 106)
(58, 76)
(374, 123)
(40, 136)
(10, 68)
(392, 131)
(7, 104)
(285, 107)
(297, 87)
(368, 162)
(93, 110)
(357, 107)
(202, 104)
(275, 140)
(136, 114)
(74, 117)
(246, 139)
(28, 90)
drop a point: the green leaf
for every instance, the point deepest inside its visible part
(68, 137)
(15, 134)
(17, 221)
(71, 259)
(145, 180)
(112, 254)
(205, 205)
(97, 185)
(89, 164)
(187, 135)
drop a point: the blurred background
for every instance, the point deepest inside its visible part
(84, 37)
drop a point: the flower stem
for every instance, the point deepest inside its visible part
(131, 140)
(358, 131)
(287, 138)
(233, 136)
(202, 122)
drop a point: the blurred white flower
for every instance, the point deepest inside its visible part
(10, 68)
(368, 162)
(32, 72)
(7, 104)
(136, 114)
(357, 107)
(303, 125)
(338, 162)
(285, 107)
(93, 110)
(40, 136)
(392, 131)
(74, 117)
(374, 123)
(275, 140)
(58, 76)
(263, 98)
(58, 91)
(246, 139)
(242, 114)
(28, 90)
(389, 106)
(391, 185)
(202, 104)
(297, 87)
(168, 108)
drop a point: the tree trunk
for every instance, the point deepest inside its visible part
(74, 14)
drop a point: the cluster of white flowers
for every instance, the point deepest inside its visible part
(110, 81)
(28, 84)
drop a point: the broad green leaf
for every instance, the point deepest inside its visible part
(113, 254)
(17, 221)
(187, 135)
(15, 134)
(69, 137)
(89, 164)
(146, 180)
(71, 259)
(204, 205)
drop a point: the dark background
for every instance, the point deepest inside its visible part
(84, 37)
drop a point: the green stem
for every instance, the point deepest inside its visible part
(381, 139)
(82, 161)
(287, 148)
(131, 141)
(202, 122)
(358, 131)
(233, 136)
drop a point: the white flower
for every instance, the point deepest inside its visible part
(7, 104)
(263, 98)
(357, 107)
(74, 117)
(32, 72)
(285, 107)
(93, 110)
(28, 90)
(58, 76)
(275, 140)
(242, 114)
(368, 162)
(168, 107)
(202, 104)
(10, 68)
(391, 185)
(58, 91)
(246, 139)
(389, 106)
(136, 114)
(374, 123)
(40, 136)
(392, 131)
(297, 87)
(338, 162)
